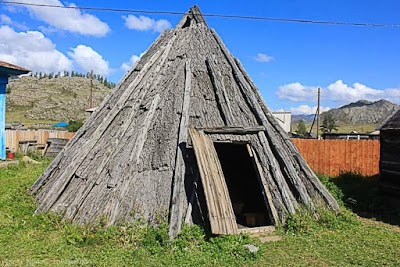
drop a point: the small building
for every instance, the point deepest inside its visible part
(389, 163)
(352, 136)
(6, 70)
(284, 119)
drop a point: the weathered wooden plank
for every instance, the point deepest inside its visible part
(191, 199)
(221, 215)
(273, 214)
(233, 130)
(230, 138)
(268, 174)
(221, 95)
(276, 172)
(178, 188)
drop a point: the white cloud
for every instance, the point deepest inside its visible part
(88, 59)
(72, 20)
(32, 50)
(263, 58)
(338, 92)
(128, 65)
(143, 23)
(306, 109)
(341, 92)
(4, 19)
(297, 92)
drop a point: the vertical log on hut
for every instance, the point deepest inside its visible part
(178, 194)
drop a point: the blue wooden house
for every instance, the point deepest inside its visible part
(6, 70)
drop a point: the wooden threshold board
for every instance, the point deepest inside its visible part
(254, 230)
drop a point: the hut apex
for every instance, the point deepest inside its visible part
(185, 135)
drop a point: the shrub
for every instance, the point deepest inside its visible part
(74, 126)
(332, 187)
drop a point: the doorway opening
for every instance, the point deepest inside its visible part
(242, 180)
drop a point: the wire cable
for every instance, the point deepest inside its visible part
(326, 22)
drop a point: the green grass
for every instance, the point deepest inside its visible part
(45, 240)
(360, 194)
(19, 116)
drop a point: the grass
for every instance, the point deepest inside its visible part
(19, 116)
(45, 240)
(360, 194)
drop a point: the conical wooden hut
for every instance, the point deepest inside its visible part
(187, 135)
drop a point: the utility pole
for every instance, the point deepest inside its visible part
(318, 111)
(91, 90)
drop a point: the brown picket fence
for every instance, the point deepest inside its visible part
(13, 137)
(332, 157)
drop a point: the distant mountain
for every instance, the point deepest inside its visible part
(304, 118)
(362, 111)
(359, 103)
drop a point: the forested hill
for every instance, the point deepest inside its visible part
(52, 97)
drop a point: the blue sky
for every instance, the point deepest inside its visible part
(287, 61)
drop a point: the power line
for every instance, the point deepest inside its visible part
(326, 22)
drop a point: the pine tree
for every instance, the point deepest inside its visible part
(105, 82)
(329, 124)
(301, 128)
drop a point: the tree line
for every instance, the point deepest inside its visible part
(51, 75)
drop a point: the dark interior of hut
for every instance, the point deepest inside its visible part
(243, 185)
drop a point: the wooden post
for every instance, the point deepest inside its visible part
(3, 85)
(318, 112)
(91, 90)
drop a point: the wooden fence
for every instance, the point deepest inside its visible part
(328, 157)
(14, 136)
(331, 157)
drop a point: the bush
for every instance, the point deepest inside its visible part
(332, 188)
(73, 126)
